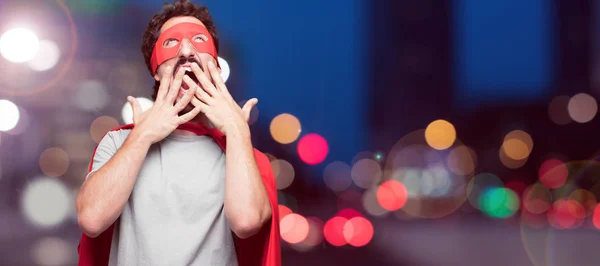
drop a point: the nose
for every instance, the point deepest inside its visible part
(187, 49)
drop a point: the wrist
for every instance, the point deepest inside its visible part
(237, 130)
(139, 139)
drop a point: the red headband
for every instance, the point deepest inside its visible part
(178, 32)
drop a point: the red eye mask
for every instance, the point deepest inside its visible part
(184, 30)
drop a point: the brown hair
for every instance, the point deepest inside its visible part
(179, 8)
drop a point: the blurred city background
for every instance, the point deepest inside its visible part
(417, 133)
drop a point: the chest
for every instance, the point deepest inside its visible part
(180, 179)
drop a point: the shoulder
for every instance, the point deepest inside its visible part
(117, 136)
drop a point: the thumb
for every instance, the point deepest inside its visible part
(248, 108)
(135, 105)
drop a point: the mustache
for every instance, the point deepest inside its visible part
(183, 61)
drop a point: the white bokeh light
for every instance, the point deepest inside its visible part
(127, 112)
(19, 45)
(46, 202)
(53, 251)
(9, 115)
(46, 57)
(225, 71)
(91, 95)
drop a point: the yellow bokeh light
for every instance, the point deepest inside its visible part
(510, 162)
(517, 145)
(101, 126)
(440, 134)
(54, 162)
(285, 128)
(515, 149)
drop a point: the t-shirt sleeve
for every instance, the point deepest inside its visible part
(105, 150)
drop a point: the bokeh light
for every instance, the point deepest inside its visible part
(371, 203)
(127, 111)
(92, 95)
(462, 160)
(101, 125)
(558, 110)
(537, 198)
(46, 57)
(337, 176)
(284, 173)
(315, 232)
(19, 45)
(225, 71)
(586, 199)
(553, 173)
(294, 228)
(334, 231)
(582, 108)
(313, 149)
(566, 214)
(499, 202)
(517, 145)
(285, 128)
(510, 162)
(358, 231)
(392, 195)
(479, 185)
(53, 251)
(440, 134)
(54, 162)
(46, 201)
(10, 115)
(596, 217)
(366, 173)
(283, 211)
(349, 213)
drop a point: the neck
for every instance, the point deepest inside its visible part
(199, 119)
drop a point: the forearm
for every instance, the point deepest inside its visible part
(103, 195)
(246, 202)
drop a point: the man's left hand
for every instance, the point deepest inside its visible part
(216, 102)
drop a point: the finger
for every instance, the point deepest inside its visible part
(198, 92)
(205, 83)
(248, 108)
(135, 106)
(216, 77)
(175, 86)
(193, 113)
(164, 84)
(185, 100)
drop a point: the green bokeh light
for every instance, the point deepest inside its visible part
(499, 202)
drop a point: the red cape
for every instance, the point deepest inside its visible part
(261, 249)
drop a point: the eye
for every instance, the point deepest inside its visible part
(170, 43)
(200, 38)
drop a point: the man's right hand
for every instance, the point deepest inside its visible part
(163, 117)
